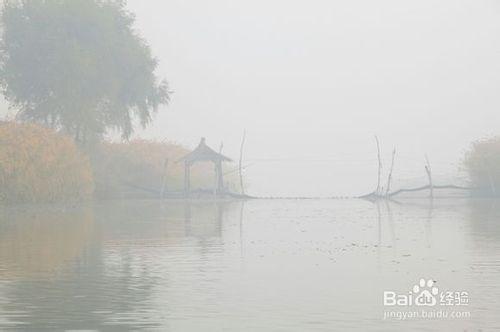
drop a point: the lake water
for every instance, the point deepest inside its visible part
(263, 265)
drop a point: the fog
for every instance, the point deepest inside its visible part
(313, 81)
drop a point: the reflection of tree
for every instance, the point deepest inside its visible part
(93, 297)
(241, 218)
(484, 218)
(391, 222)
(90, 287)
(40, 241)
(107, 262)
(484, 214)
(428, 223)
(425, 205)
(390, 219)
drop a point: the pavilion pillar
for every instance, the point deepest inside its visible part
(187, 218)
(220, 179)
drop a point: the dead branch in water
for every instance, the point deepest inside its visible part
(379, 193)
(426, 187)
(390, 195)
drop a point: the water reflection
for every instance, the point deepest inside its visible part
(40, 241)
(290, 265)
(89, 267)
(486, 216)
(207, 220)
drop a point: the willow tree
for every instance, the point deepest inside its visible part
(78, 66)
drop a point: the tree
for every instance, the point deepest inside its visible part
(78, 66)
(482, 162)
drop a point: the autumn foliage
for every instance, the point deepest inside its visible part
(39, 165)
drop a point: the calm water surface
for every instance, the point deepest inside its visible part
(284, 265)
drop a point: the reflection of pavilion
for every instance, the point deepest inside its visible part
(203, 219)
(164, 223)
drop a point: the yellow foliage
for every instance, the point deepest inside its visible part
(39, 165)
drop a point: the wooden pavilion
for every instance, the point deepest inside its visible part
(204, 153)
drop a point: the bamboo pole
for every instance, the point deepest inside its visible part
(377, 191)
(429, 176)
(219, 182)
(164, 180)
(240, 169)
(389, 177)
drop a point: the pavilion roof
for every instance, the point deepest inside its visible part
(204, 153)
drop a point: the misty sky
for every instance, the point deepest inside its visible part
(313, 81)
